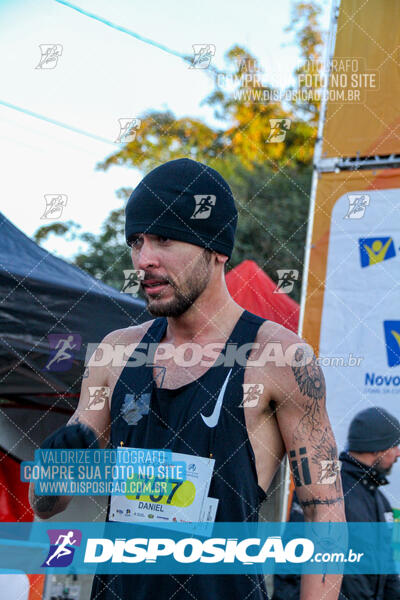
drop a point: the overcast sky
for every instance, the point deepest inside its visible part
(103, 75)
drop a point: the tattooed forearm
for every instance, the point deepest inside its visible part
(320, 501)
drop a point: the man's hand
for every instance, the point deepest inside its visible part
(76, 436)
(86, 429)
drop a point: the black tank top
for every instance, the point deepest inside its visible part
(175, 422)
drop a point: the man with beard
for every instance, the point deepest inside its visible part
(192, 393)
(372, 450)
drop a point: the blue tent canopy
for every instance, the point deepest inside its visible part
(47, 304)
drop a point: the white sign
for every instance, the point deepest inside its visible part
(361, 315)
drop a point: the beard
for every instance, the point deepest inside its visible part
(186, 294)
(383, 471)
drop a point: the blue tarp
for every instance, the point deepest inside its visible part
(42, 295)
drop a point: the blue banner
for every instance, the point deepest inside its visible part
(129, 548)
(125, 472)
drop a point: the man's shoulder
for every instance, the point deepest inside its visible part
(277, 346)
(270, 331)
(271, 359)
(128, 335)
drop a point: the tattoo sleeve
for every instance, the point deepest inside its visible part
(325, 456)
(320, 501)
(300, 466)
(311, 383)
(313, 454)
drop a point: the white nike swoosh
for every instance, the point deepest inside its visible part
(212, 420)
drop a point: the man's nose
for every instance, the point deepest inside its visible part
(147, 256)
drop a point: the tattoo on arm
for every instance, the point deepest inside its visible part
(159, 374)
(309, 377)
(326, 457)
(319, 501)
(74, 420)
(321, 446)
(311, 383)
(300, 466)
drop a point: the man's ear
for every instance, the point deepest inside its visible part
(221, 258)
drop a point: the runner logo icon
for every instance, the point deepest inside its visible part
(62, 547)
(63, 346)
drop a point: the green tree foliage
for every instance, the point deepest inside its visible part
(271, 181)
(273, 213)
(309, 39)
(245, 129)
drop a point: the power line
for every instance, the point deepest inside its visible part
(118, 28)
(30, 113)
(125, 30)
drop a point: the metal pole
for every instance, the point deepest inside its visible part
(317, 156)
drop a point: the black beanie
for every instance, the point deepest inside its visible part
(372, 430)
(187, 201)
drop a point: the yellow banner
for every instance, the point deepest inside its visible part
(364, 86)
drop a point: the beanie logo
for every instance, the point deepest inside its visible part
(204, 204)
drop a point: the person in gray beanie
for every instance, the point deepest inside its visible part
(375, 434)
(372, 449)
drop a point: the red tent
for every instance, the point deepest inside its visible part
(250, 287)
(14, 504)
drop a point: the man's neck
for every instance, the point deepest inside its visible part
(365, 458)
(205, 321)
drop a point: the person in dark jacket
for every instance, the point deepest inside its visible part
(372, 449)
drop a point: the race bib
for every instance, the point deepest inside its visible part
(182, 498)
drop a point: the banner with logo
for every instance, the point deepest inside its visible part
(352, 307)
(362, 115)
(232, 548)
